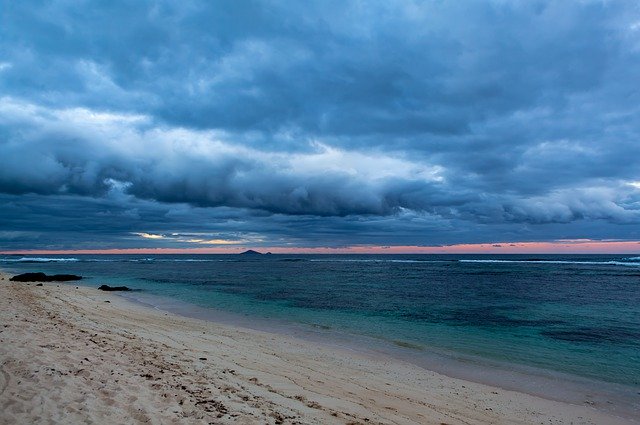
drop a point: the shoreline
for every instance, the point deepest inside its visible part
(257, 376)
(547, 384)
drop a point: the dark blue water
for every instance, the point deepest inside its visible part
(578, 315)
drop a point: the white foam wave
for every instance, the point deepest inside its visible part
(362, 260)
(38, 260)
(609, 263)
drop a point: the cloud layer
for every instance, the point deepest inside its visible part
(318, 124)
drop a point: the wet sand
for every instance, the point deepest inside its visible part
(72, 355)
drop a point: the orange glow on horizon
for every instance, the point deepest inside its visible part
(580, 246)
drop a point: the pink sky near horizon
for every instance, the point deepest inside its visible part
(581, 246)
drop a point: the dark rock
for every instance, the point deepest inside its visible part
(250, 252)
(39, 284)
(113, 288)
(41, 277)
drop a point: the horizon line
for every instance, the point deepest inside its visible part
(570, 246)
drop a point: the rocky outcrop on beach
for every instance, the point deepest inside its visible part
(113, 288)
(41, 277)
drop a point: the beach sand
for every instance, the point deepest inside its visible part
(77, 355)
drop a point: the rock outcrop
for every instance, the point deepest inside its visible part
(113, 288)
(41, 277)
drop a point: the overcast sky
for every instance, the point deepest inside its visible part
(317, 124)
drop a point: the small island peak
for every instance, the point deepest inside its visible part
(251, 252)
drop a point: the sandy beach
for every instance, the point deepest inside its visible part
(77, 355)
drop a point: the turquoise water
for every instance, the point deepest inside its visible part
(577, 315)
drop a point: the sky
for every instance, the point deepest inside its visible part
(320, 126)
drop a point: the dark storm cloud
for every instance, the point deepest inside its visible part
(367, 122)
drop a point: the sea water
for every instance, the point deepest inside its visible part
(514, 321)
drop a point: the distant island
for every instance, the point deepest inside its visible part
(250, 252)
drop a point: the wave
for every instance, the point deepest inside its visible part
(104, 260)
(39, 260)
(630, 261)
(377, 260)
(605, 263)
(158, 260)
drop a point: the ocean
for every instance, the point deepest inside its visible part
(562, 326)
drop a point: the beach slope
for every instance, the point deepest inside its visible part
(77, 355)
